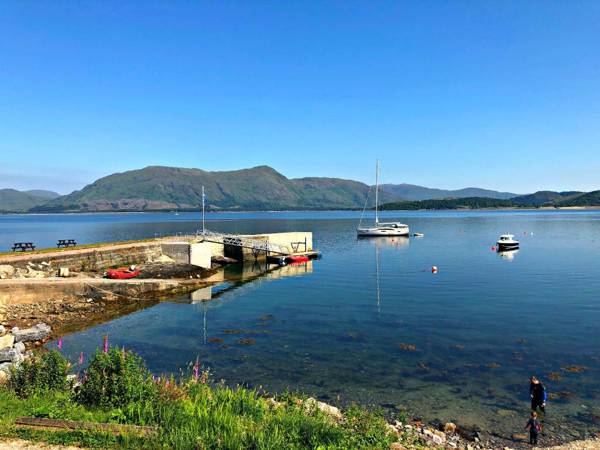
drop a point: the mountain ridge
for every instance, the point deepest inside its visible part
(256, 188)
(13, 200)
(408, 191)
(259, 188)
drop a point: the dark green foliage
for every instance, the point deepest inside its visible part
(44, 372)
(116, 379)
(188, 414)
(537, 200)
(589, 199)
(453, 203)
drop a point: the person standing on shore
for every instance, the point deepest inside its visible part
(538, 395)
(535, 427)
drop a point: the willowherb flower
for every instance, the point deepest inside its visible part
(105, 349)
(59, 344)
(80, 360)
(197, 370)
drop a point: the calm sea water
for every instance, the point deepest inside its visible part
(370, 323)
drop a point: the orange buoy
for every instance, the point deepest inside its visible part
(434, 269)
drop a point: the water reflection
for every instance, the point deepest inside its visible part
(242, 277)
(386, 241)
(508, 255)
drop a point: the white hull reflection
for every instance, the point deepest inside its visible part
(508, 255)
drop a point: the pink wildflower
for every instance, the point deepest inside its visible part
(197, 370)
(105, 343)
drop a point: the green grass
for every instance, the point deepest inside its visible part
(42, 251)
(188, 414)
(205, 417)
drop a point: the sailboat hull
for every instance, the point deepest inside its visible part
(382, 231)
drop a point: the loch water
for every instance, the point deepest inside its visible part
(370, 323)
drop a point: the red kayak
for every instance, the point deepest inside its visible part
(296, 259)
(121, 274)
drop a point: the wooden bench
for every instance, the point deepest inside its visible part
(66, 243)
(73, 425)
(23, 246)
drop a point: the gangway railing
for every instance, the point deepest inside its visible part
(256, 245)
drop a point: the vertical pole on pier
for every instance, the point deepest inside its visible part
(203, 202)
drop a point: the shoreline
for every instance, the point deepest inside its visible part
(238, 211)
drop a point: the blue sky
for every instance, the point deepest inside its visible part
(496, 94)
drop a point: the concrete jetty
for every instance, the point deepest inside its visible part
(196, 249)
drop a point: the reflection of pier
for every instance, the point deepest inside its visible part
(241, 278)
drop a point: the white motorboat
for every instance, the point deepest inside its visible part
(507, 242)
(381, 228)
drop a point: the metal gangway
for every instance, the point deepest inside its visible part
(257, 246)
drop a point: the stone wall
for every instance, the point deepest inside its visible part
(98, 258)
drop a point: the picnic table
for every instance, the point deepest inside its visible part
(23, 246)
(66, 243)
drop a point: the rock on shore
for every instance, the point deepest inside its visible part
(12, 346)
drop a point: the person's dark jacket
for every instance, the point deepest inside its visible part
(538, 392)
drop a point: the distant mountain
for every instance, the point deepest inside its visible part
(449, 203)
(536, 200)
(545, 198)
(258, 188)
(41, 193)
(263, 188)
(414, 192)
(12, 200)
(587, 199)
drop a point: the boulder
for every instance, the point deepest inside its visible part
(393, 429)
(10, 355)
(7, 341)
(37, 333)
(20, 347)
(450, 428)
(520, 437)
(4, 372)
(397, 446)
(63, 272)
(331, 411)
(2, 330)
(6, 271)
(33, 273)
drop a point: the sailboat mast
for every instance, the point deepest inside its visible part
(203, 207)
(376, 192)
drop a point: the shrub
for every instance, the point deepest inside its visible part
(42, 373)
(116, 379)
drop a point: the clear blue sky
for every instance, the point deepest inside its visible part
(497, 94)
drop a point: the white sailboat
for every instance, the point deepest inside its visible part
(382, 228)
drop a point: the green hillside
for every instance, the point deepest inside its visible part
(453, 203)
(12, 200)
(258, 188)
(414, 192)
(589, 199)
(536, 200)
